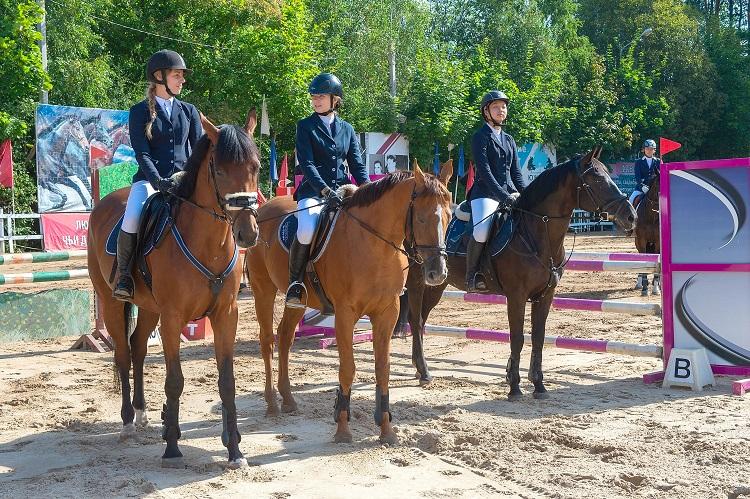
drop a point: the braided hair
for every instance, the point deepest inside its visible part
(151, 97)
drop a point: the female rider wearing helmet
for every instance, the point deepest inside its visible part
(498, 180)
(163, 131)
(323, 142)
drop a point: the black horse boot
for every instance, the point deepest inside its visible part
(298, 255)
(474, 279)
(125, 247)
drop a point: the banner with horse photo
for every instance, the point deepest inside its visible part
(71, 142)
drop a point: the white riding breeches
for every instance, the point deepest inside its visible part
(307, 220)
(481, 215)
(139, 193)
(635, 194)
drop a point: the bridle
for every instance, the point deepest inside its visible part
(417, 250)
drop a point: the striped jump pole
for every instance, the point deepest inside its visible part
(582, 344)
(620, 307)
(40, 257)
(613, 266)
(58, 275)
(622, 257)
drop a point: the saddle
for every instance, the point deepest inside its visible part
(460, 230)
(157, 218)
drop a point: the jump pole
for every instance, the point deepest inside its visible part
(41, 257)
(620, 307)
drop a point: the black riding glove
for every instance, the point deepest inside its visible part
(332, 198)
(165, 184)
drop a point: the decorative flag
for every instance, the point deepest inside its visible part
(265, 126)
(284, 171)
(6, 164)
(272, 161)
(460, 160)
(667, 146)
(470, 178)
(436, 161)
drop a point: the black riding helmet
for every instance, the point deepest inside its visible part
(488, 99)
(162, 61)
(326, 83)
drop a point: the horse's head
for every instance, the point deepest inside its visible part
(233, 170)
(429, 215)
(599, 194)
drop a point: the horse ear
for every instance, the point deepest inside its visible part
(210, 129)
(446, 172)
(251, 121)
(415, 165)
(418, 175)
(598, 151)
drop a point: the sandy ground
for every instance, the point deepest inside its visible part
(602, 433)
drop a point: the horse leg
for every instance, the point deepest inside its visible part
(639, 281)
(138, 348)
(644, 284)
(173, 385)
(539, 313)
(114, 315)
(430, 297)
(345, 321)
(516, 310)
(656, 285)
(382, 325)
(288, 324)
(264, 293)
(225, 330)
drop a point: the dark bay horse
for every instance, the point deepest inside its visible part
(217, 213)
(362, 272)
(647, 238)
(531, 265)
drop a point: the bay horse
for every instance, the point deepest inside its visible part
(362, 271)
(531, 265)
(647, 238)
(193, 275)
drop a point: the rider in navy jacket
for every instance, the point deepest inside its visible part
(644, 169)
(323, 142)
(498, 180)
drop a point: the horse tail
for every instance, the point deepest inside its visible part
(402, 324)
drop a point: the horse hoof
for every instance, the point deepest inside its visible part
(127, 432)
(237, 464)
(291, 407)
(342, 437)
(515, 395)
(541, 395)
(389, 439)
(173, 462)
(272, 410)
(638, 285)
(644, 292)
(426, 381)
(656, 292)
(141, 418)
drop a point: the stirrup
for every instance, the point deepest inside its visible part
(125, 288)
(294, 295)
(476, 283)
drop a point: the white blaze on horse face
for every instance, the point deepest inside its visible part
(441, 233)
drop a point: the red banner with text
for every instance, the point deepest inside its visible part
(65, 231)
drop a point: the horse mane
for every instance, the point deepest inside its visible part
(370, 193)
(546, 183)
(234, 147)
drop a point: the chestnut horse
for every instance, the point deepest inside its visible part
(362, 272)
(216, 213)
(647, 238)
(529, 268)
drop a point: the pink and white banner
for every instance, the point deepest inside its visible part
(65, 231)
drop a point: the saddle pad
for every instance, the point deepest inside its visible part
(152, 207)
(459, 233)
(288, 231)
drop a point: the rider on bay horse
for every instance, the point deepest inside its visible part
(645, 168)
(163, 132)
(498, 180)
(323, 142)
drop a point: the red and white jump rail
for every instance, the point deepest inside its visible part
(619, 307)
(622, 257)
(587, 345)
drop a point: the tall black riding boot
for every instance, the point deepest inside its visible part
(474, 279)
(298, 255)
(125, 248)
